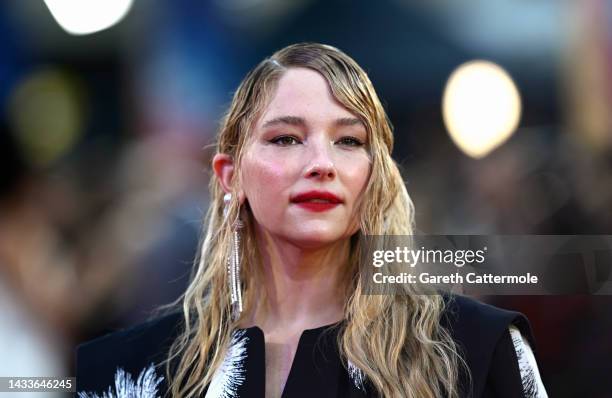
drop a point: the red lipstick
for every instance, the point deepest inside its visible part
(316, 200)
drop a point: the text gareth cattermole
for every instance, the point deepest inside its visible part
(433, 256)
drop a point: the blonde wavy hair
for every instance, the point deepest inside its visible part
(395, 338)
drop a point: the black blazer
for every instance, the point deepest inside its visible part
(480, 330)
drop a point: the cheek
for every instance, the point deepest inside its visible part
(358, 179)
(357, 175)
(263, 179)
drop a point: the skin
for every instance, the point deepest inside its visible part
(304, 140)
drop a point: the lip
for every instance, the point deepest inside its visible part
(310, 195)
(304, 200)
(318, 207)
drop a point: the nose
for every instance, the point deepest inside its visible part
(321, 164)
(322, 170)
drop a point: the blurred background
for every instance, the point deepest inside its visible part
(503, 123)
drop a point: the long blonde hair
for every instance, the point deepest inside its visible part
(395, 339)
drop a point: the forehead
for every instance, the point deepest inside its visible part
(304, 93)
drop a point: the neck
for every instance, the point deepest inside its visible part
(303, 287)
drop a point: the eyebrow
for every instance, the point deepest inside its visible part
(300, 121)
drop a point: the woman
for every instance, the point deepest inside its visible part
(276, 307)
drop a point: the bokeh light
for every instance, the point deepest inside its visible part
(88, 16)
(481, 107)
(47, 115)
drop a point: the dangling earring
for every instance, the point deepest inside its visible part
(233, 261)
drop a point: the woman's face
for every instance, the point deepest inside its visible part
(306, 164)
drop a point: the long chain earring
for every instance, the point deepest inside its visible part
(233, 261)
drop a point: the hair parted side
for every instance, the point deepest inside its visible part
(396, 339)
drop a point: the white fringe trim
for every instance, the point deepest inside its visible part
(530, 375)
(356, 375)
(231, 374)
(125, 387)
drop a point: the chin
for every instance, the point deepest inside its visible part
(316, 239)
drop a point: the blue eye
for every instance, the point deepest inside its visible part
(350, 141)
(285, 140)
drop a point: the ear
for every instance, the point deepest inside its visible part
(223, 166)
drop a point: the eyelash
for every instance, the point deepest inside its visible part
(277, 140)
